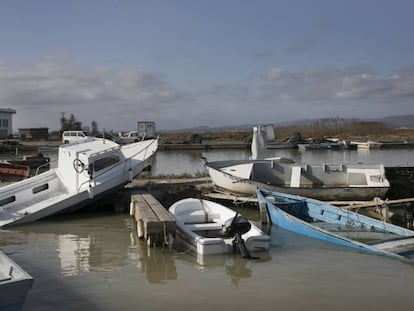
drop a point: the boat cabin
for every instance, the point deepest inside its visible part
(88, 159)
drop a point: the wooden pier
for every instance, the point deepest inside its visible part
(154, 223)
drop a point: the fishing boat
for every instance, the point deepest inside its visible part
(210, 228)
(329, 223)
(320, 181)
(14, 284)
(87, 171)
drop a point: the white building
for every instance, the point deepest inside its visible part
(6, 124)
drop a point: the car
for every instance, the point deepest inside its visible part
(73, 136)
(110, 137)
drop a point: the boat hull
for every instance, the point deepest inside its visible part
(47, 194)
(328, 223)
(199, 228)
(240, 178)
(14, 287)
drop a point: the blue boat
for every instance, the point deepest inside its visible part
(323, 221)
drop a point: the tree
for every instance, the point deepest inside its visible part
(94, 128)
(70, 124)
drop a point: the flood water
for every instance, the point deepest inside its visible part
(94, 261)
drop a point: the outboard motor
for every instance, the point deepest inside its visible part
(238, 226)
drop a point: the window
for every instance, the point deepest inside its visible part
(4, 123)
(7, 200)
(40, 188)
(102, 163)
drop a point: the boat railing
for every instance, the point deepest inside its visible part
(40, 167)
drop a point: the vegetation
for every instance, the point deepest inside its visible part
(333, 128)
(72, 124)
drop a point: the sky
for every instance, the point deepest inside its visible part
(189, 63)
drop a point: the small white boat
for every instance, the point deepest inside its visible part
(14, 284)
(211, 228)
(86, 171)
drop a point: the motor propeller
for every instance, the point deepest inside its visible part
(238, 226)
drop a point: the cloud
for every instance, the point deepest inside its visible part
(115, 98)
(332, 84)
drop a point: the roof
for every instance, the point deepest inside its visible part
(7, 110)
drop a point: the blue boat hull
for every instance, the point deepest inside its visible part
(328, 223)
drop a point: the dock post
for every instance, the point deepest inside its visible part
(263, 213)
(385, 213)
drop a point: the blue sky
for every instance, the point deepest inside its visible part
(214, 63)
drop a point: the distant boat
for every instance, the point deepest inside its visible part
(368, 144)
(210, 228)
(14, 284)
(332, 224)
(86, 171)
(321, 181)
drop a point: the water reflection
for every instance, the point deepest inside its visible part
(157, 264)
(83, 243)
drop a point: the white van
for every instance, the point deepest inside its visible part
(73, 136)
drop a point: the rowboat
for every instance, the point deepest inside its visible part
(210, 228)
(14, 284)
(332, 224)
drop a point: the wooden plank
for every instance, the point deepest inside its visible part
(144, 213)
(158, 209)
(156, 220)
(356, 205)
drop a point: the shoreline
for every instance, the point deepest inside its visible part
(50, 145)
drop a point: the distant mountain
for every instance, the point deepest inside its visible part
(400, 121)
(393, 121)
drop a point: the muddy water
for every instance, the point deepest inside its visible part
(94, 261)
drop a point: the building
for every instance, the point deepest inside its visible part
(6, 122)
(41, 133)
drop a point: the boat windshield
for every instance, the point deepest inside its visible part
(102, 163)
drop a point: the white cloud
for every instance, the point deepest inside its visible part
(115, 98)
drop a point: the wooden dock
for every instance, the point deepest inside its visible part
(154, 223)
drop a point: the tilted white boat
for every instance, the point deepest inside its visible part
(324, 182)
(14, 284)
(210, 228)
(319, 181)
(86, 171)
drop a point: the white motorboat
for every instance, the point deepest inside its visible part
(210, 228)
(319, 181)
(86, 171)
(14, 284)
(323, 182)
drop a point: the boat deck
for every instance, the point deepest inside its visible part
(4, 277)
(10, 214)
